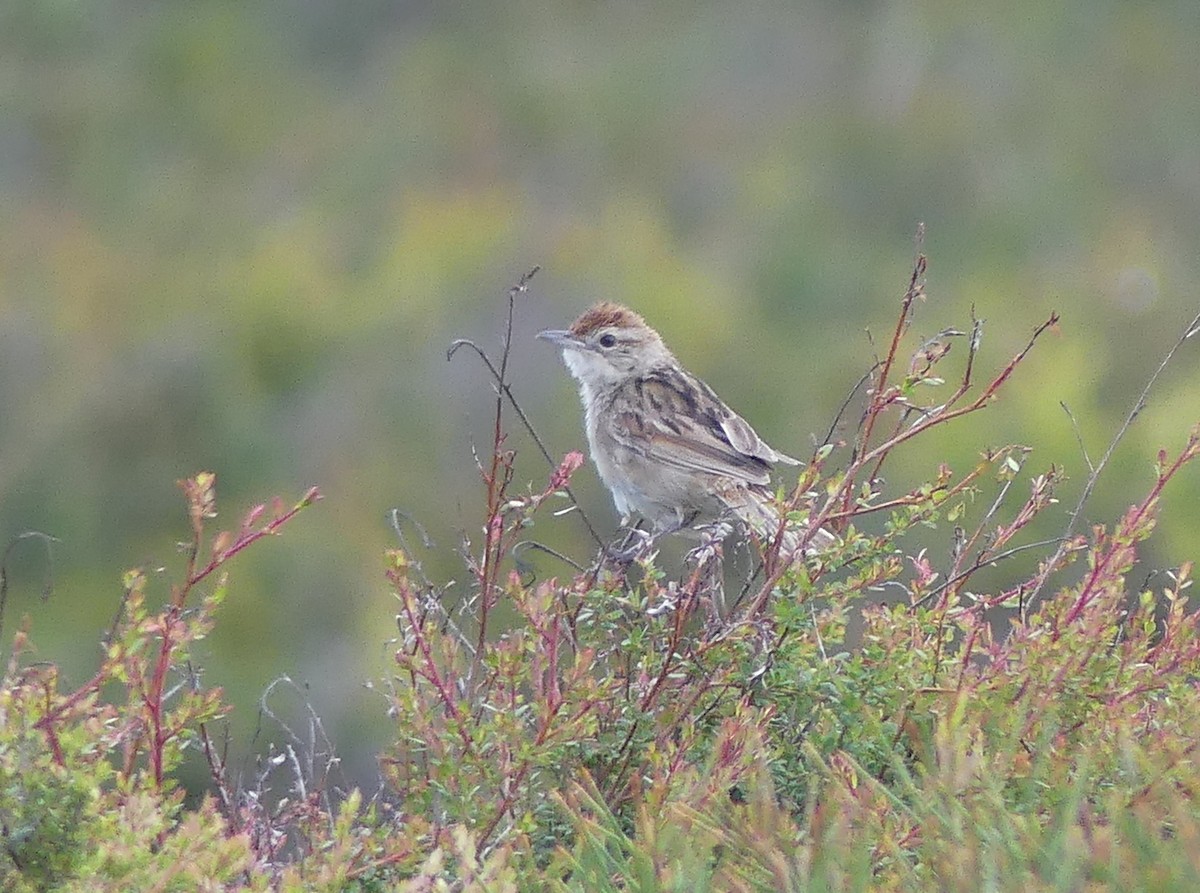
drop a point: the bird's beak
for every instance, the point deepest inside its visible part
(562, 338)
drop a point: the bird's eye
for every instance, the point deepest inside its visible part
(608, 340)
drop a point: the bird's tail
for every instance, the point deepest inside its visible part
(758, 511)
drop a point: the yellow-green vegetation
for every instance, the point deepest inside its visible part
(870, 718)
(240, 236)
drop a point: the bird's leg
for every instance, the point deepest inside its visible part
(636, 542)
(711, 537)
(633, 543)
(709, 558)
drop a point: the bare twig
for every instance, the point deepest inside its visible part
(1094, 476)
(1078, 437)
(395, 516)
(837, 418)
(534, 546)
(503, 388)
(989, 561)
(965, 545)
(500, 464)
(47, 584)
(839, 504)
(915, 290)
(315, 744)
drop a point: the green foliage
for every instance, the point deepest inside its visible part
(240, 235)
(46, 811)
(769, 756)
(814, 731)
(87, 799)
(864, 718)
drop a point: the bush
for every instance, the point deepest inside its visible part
(861, 719)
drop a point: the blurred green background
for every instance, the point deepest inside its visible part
(239, 237)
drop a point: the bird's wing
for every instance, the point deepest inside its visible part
(746, 440)
(679, 421)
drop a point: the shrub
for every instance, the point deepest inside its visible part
(866, 718)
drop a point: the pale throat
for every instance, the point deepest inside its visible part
(596, 376)
(593, 373)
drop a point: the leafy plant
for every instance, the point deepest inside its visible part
(871, 717)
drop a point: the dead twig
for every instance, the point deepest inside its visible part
(1090, 484)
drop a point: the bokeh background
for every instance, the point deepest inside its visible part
(239, 237)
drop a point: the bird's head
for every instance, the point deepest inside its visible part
(608, 344)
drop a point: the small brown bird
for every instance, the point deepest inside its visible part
(665, 444)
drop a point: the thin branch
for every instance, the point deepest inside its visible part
(914, 291)
(533, 545)
(1090, 484)
(500, 463)
(844, 494)
(837, 419)
(979, 564)
(395, 516)
(964, 546)
(1078, 437)
(507, 391)
(47, 584)
(982, 400)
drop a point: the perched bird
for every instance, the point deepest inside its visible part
(666, 446)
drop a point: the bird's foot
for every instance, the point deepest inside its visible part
(632, 546)
(668, 604)
(712, 536)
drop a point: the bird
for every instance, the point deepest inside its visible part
(665, 445)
